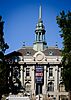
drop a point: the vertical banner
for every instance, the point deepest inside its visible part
(39, 74)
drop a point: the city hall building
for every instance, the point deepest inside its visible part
(37, 69)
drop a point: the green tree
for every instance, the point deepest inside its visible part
(3, 47)
(64, 22)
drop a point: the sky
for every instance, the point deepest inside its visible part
(21, 17)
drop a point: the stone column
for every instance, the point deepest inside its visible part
(57, 82)
(22, 75)
(35, 37)
(45, 81)
(33, 80)
(43, 37)
(38, 37)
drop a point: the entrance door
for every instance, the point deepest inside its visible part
(38, 89)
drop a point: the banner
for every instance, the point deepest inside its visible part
(39, 74)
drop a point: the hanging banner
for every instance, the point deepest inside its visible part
(39, 74)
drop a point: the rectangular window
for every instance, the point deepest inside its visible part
(27, 71)
(50, 71)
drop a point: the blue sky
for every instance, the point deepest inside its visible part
(21, 17)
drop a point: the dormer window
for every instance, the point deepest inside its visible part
(16, 59)
(50, 53)
(28, 53)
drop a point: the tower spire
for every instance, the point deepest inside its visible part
(40, 12)
(40, 43)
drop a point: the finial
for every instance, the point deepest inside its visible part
(23, 44)
(56, 45)
(40, 12)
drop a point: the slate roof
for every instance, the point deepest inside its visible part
(27, 51)
(12, 54)
(50, 51)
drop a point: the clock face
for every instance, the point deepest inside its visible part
(39, 57)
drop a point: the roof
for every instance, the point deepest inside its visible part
(12, 54)
(27, 51)
(50, 51)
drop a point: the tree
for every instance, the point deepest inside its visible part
(64, 22)
(3, 47)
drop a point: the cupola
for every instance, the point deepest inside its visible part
(40, 43)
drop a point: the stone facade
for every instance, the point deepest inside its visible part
(38, 68)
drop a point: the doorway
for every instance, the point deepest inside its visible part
(38, 89)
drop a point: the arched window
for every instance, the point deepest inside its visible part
(61, 87)
(50, 86)
(28, 86)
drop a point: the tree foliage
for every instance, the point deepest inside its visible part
(64, 23)
(3, 47)
(2, 77)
